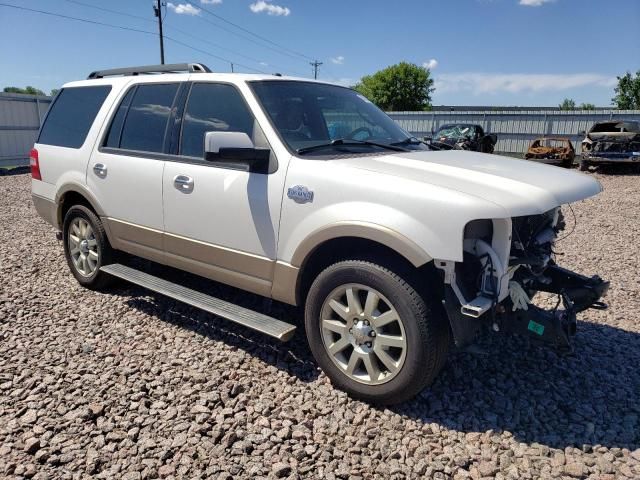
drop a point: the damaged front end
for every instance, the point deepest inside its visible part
(612, 142)
(506, 262)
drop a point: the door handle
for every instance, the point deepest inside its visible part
(183, 183)
(100, 169)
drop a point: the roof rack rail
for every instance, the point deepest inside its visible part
(169, 68)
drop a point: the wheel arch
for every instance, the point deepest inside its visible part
(380, 244)
(75, 194)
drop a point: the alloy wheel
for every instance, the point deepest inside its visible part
(363, 334)
(83, 247)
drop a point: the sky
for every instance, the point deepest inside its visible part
(480, 52)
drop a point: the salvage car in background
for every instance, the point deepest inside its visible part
(610, 143)
(461, 136)
(552, 150)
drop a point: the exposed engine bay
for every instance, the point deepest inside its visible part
(612, 142)
(506, 263)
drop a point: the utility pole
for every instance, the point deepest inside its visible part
(315, 66)
(231, 67)
(157, 9)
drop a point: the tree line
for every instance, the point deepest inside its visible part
(406, 86)
(30, 91)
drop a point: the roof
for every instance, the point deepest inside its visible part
(180, 77)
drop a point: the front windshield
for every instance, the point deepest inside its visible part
(308, 114)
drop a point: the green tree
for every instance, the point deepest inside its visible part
(628, 92)
(587, 106)
(54, 92)
(567, 104)
(27, 90)
(401, 87)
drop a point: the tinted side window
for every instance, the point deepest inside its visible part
(113, 138)
(213, 107)
(71, 116)
(146, 122)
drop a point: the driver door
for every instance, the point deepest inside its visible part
(221, 222)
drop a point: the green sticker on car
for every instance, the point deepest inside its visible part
(536, 327)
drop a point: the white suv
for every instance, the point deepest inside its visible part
(306, 193)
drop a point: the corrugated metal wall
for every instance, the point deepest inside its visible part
(515, 129)
(20, 117)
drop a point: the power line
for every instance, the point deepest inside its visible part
(139, 17)
(279, 51)
(254, 34)
(226, 60)
(184, 32)
(95, 22)
(287, 51)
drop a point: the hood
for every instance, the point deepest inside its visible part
(521, 187)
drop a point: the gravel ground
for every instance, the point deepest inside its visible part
(126, 384)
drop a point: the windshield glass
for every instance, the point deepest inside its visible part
(308, 114)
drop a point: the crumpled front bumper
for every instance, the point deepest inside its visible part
(554, 327)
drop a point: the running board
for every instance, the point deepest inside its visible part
(243, 316)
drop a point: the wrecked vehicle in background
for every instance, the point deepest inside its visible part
(611, 142)
(552, 150)
(460, 136)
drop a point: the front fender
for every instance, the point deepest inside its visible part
(358, 229)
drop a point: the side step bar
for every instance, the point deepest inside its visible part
(257, 321)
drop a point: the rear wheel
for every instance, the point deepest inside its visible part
(86, 247)
(372, 334)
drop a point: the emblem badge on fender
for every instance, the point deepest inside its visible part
(300, 194)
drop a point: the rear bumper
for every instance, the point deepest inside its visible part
(47, 209)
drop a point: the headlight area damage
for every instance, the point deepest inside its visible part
(506, 262)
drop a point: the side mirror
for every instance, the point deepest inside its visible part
(235, 150)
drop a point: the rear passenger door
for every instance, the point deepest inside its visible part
(225, 225)
(125, 172)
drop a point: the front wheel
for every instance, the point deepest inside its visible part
(372, 333)
(86, 247)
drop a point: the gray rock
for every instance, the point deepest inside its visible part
(281, 470)
(32, 445)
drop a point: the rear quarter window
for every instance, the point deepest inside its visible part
(71, 115)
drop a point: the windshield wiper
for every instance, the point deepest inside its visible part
(415, 141)
(339, 142)
(408, 141)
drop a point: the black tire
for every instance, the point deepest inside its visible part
(584, 166)
(97, 279)
(425, 328)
